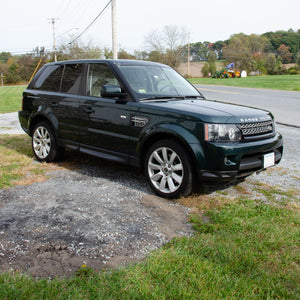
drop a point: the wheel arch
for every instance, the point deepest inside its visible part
(41, 118)
(189, 142)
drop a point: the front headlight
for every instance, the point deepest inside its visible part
(222, 133)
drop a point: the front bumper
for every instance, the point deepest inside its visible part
(228, 161)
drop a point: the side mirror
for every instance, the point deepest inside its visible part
(112, 91)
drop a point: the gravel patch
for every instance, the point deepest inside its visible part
(9, 124)
(103, 216)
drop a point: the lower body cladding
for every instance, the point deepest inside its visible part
(227, 161)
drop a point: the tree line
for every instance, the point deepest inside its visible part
(264, 53)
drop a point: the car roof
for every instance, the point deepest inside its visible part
(118, 62)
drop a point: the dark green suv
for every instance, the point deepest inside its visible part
(145, 114)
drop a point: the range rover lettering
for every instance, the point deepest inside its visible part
(146, 115)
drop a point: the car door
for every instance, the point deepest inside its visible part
(57, 95)
(67, 105)
(105, 121)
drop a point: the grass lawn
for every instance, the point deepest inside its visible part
(11, 98)
(278, 82)
(242, 249)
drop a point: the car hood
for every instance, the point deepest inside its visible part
(210, 111)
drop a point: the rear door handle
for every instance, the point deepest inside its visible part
(33, 97)
(89, 110)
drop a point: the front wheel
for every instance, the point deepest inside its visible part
(44, 144)
(168, 169)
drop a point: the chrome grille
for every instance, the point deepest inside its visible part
(257, 128)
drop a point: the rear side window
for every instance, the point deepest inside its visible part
(50, 78)
(72, 79)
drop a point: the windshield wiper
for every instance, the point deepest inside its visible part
(161, 98)
(194, 97)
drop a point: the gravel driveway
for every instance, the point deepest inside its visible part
(101, 214)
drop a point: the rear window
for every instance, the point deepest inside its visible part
(72, 79)
(60, 78)
(50, 78)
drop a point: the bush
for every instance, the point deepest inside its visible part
(205, 70)
(298, 61)
(292, 71)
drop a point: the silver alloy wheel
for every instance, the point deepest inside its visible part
(41, 142)
(165, 170)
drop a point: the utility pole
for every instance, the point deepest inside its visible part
(188, 62)
(114, 29)
(54, 45)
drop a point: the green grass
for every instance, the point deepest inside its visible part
(278, 82)
(248, 250)
(11, 98)
(16, 161)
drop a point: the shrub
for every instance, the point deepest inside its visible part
(292, 71)
(205, 70)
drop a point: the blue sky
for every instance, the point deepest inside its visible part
(26, 24)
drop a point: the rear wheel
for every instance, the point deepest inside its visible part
(168, 169)
(44, 144)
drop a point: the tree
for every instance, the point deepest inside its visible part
(123, 54)
(4, 57)
(12, 72)
(285, 54)
(238, 51)
(218, 48)
(78, 50)
(141, 55)
(273, 64)
(200, 51)
(107, 52)
(247, 52)
(289, 38)
(212, 62)
(205, 70)
(257, 43)
(167, 44)
(298, 61)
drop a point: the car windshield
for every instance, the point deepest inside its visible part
(153, 82)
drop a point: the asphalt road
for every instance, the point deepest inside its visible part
(284, 105)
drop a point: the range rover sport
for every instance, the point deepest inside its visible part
(147, 115)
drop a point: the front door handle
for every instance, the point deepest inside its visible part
(53, 104)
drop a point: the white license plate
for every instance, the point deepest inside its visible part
(269, 160)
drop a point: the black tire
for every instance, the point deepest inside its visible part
(44, 144)
(168, 169)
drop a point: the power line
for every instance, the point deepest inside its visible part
(98, 16)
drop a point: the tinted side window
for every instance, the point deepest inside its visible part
(98, 75)
(50, 79)
(72, 79)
